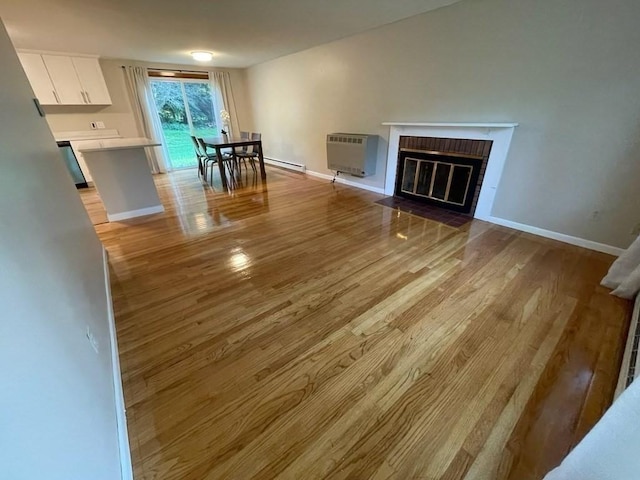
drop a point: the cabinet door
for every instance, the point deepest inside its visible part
(39, 78)
(64, 78)
(92, 80)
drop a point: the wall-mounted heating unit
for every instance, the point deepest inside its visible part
(630, 368)
(352, 153)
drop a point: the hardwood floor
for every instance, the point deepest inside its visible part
(297, 330)
(93, 205)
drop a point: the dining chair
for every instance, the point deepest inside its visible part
(212, 159)
(243, 150)
(205, 160)
(251, 154)
(201, 156)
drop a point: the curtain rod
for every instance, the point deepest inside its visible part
(176, 70)
(170, 70)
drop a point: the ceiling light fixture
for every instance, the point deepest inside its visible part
(202, 56)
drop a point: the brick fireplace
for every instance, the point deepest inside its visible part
(482, 147)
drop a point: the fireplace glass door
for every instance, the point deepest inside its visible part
(441, 179)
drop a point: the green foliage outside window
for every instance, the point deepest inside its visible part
(174, 116)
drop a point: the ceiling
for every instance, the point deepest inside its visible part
(240, 33)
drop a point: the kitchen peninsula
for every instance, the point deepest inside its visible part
(122, 176)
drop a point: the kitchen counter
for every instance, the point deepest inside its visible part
(116, 144)
(122, 176)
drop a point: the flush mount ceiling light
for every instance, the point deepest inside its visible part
(201, 56)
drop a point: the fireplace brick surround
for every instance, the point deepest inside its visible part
(499, 133)
(460, 146)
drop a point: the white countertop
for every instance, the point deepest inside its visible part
(444, 124)
(115, 144)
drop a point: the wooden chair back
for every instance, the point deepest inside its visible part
(255, 136)
(244, 136)
(203, 146)
(200, 152)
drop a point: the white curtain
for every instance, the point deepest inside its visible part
(624, 274)
(221, 88)
(146, 115)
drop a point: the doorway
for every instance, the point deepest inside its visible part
(186, 107)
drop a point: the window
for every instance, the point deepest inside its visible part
(186, 107)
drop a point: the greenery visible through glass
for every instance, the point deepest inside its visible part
(185, 109)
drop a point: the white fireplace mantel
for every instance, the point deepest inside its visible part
(499, 133)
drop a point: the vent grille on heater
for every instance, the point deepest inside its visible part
(630, 368)
(631, 374)
(352, 153)
(345, 140)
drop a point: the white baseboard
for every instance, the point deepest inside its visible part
(298, 167)
(126, 468)
(344, 181)
(580, 242)
(116, 217)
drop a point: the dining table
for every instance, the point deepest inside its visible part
(220, 143)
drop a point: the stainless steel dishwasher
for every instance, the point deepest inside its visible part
(71, 162)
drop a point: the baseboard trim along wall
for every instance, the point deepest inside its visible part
(298, 167)
(135, 213)
(126, 467)
(580, 242)
(344, 181)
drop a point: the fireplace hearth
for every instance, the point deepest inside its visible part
(442, 172)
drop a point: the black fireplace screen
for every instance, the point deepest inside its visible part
(443, 179)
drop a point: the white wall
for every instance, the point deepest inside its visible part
(57, 407)
(119, 115)
(568, 71)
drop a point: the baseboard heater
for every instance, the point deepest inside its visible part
(282, 164)
(629, 369)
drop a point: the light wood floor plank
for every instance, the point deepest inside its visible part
(296, 330)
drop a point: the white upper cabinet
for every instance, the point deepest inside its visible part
(36, 70)
(66, 80)
(92, 80)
